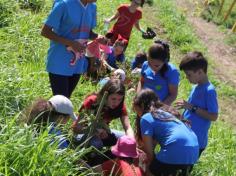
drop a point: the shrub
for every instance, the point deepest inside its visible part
(34, 5)
(7, 9)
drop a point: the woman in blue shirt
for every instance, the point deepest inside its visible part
(158, 123)
(68, 26)
(158, 74)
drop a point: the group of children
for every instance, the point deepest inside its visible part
(157, 122)
(70, 55)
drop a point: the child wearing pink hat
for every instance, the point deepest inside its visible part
(126, 152)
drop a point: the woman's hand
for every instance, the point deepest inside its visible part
(77, 46)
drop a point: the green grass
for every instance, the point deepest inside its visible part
(210, 13)
(23, 78)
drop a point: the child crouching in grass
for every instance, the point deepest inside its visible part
(51, 113)
(125, 152)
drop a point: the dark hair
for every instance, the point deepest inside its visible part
(149, 102)
(113, 86)
(40, 112)
(160, 51)
(120, 41)
(142, 2)
(140, 57)
(194, 61)
(166, 47)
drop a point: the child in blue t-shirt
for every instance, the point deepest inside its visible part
(158, 74)
(51, 114)
(160, 124)
(117, 55)
(68, 26)
(201, 107)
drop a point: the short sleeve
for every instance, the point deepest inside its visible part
(121, 8)
(212, 103)
(146, 127)
(88, 102)
(139, 14)
(173, 77)
(56, 15)
(145, 65)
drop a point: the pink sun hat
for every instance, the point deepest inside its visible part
(125, 147)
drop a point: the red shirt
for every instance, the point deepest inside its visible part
(107, 114)
(125, 21)
(120, 168)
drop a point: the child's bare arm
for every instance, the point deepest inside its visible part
(140, 85)
(199, 111)
(112, 18)
(48, 33)
(138, 27)
(173, 91)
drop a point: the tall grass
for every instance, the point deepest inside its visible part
(23, 78)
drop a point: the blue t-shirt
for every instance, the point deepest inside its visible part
(157, 83)
(178, 142)
(63, 142)
(112, 59)
(72, 20)
(203, 96)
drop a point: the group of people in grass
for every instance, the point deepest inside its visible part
(181, 137)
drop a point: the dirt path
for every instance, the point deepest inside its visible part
(224, 57)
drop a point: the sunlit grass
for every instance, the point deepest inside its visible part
(23, 78)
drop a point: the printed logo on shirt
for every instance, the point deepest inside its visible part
(158, 87)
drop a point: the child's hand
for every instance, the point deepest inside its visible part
(182, 104)
(107, 21)
(101, 39)
(76, 127)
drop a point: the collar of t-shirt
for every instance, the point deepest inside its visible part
(84, 6)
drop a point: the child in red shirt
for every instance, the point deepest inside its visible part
(127, 16)
(126, 152)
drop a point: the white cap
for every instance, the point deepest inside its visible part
(121, 73)
(62, 105)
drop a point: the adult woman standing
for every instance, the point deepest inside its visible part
(158, 123)
(68, 26)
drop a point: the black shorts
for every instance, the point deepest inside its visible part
(158, 168)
